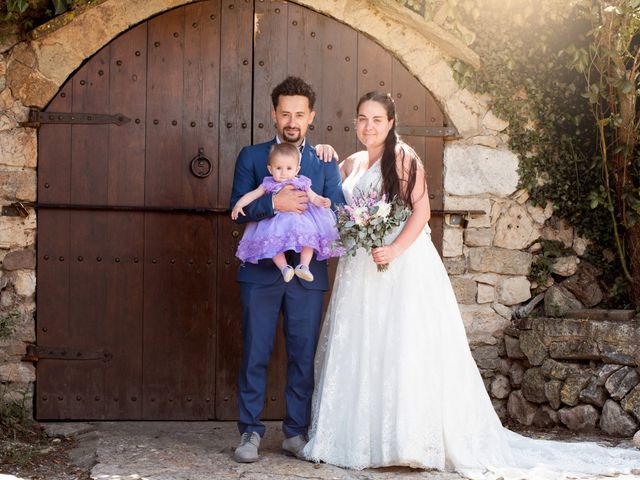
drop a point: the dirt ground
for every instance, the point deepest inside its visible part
(26, 451)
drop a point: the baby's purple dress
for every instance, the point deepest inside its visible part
(315, 228)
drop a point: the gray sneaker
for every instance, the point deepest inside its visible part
(295, 445)
(247, 451)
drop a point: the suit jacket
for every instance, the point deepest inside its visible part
(250, 170)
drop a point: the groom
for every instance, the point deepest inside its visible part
(264, 293)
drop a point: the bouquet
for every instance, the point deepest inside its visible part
(366, 222)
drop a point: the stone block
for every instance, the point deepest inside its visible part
(17, 232)
(492, 122)
(471, 203)
(502, 310)
(572, 387)
(631, 403)
(594, 393)
(558, 229)
(533, 385)
(615, 421)
(516, 374)
(552, 390)
(18, 147)
(561, 370)
(558, 300)
(455, 265)
(482, 324)
(486, 293)
(478, 170)
(19, 260)
(452, 242)
(515, 229)
(17, 372)
(499, 260)
(533, 347)
(546, 417)
(512, 346)
(584, 285)
(565, 266)
(486, 357)
(18, 183)
(520, 409)
(500, 387)
(513, 290)
(25, 282)
(604, 372)
(465, 290)
(478, 237)
(582, 418)
(622, 382)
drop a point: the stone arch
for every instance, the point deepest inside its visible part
(37, 69)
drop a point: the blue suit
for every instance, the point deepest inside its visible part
(264, 294)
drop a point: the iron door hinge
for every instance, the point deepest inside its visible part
(19, 209)
(36, 353)
(37, 118)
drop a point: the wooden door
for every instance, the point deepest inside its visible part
(138, 308)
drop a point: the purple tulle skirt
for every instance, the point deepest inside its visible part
(315, 228)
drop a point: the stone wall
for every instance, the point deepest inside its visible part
(488, 260)
(17, 249)
(582, 374)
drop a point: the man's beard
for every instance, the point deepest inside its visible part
(292, 137)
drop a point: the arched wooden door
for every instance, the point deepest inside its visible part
(138, 308)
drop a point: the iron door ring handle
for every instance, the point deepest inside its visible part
(201, 166)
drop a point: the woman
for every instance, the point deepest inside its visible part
(395, 380)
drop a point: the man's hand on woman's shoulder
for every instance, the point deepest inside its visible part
(326, 152)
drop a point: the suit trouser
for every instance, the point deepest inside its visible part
(261, 305)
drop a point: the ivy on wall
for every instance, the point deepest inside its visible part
(20, 16)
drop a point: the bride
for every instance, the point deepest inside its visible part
(395, 380)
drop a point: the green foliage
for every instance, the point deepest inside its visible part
(8, 323)
(541, 268)
(536, 55)
(28, 14)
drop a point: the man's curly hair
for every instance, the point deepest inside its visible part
(293, 86)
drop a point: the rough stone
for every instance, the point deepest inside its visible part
(546, 417)
(18, 147)
(17, 372)
(478, 237)
(538, 213)
(500, 406)
(594, 393)
(580, 245)
(513, 290)
(552, 393)
(580, 419)
(486, 356)
(16, 232)
(465, 290)
(631, 403)
(565, 266)
(558, 229)
(455, 265)
(477, 170)
(512, 346)
(584, 285)
(636, 439)
(559, 300)
(605, 372)
(17, 183)
(560, 370)
(615, 421)
(500, 387)
(533, 385)
(24, 282)
(452, 242)
(471, 203)
(486, 293)
(533, 347)
(572, 388)
(490, 141)
(502, 310)
(492, 122)
(622, 382)
(520, 409)
(482, 324)
(617, 341)
(516, 374)
(499, 260)
(465, 112)
(486, 278)
(19, 259)
(515, 229)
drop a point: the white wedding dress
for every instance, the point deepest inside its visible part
(396, 383)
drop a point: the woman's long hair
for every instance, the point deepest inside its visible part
(390, 179)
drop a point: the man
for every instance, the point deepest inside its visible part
(264, 293)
